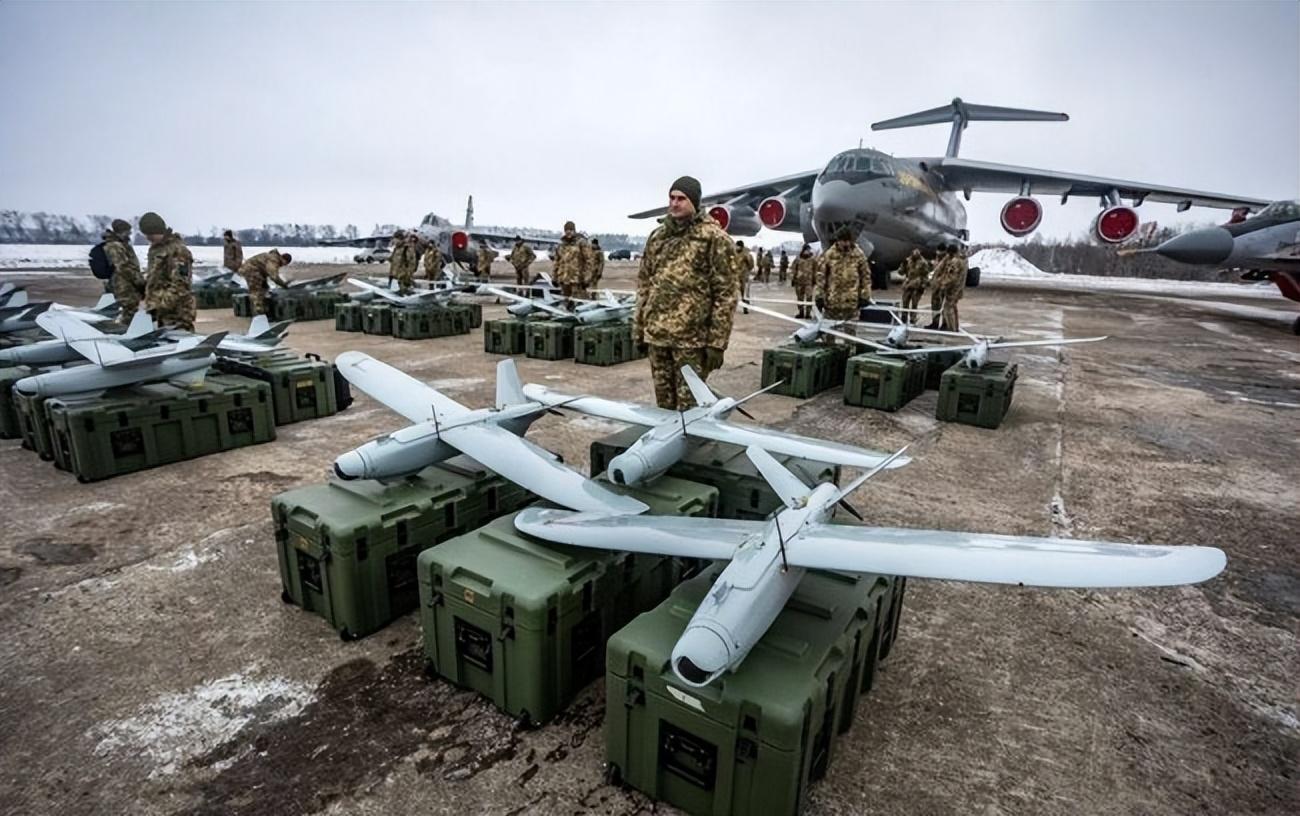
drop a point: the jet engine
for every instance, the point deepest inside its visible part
(459, 240)
(647, 458)
(736, 219)
(779, 213)
(1115, 224)
(1021, 216)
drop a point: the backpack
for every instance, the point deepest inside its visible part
(99, 265)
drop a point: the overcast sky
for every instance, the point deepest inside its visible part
(235, 114)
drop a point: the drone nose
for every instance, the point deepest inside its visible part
(1202, 246)
(350, 466)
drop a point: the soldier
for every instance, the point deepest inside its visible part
(595, 265)
(521, 257)
(397, 257)
(432, 262)
(845, 278)
(167, 293)
(803, 276)
(916, 276)
(954, 287)
(765, 265)
(257, 269)
(570, 262)
(486, 255)
(234, 252)
(744, 270)
(783, 267)
(686, 295)
(128, 283)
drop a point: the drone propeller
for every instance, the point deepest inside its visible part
(842, 498)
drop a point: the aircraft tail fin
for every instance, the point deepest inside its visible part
(788, 486)
(257, 325)
(469, 213)
(960, 114)
(510, 391)
(703, 395)
(141, 325)
(107, 303)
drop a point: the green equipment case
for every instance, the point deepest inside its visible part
(347, 317)
(377, 318)
(604, 344)
(473, 313)
(505, 336)
(524, 621)
(9, 427)
(420, 323)
(242, 304)
(548, 340)
(938, 362)
(33, 424)
(884, 383)
(742, 492)
(301, 387)
(754, 739)
(804, 371)
(150, 425)
(981, 398)
(284, 304)
(348, 549)
(214, 297)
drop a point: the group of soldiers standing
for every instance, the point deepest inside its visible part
(946, 279)
(164, 285)
(409, 250)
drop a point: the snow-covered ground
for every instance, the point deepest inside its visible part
(1006, 267)
(74, 256)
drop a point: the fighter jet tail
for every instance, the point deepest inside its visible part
(961, 113)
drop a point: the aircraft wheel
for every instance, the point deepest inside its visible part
(973, 277)
(1295, 327)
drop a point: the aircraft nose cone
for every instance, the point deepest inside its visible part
(1202, 246)
(700, 655)
(350, 466)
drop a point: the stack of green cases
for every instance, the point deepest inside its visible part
(884, 383)
(548, 340)
(377, 318)
(33, 424)
(981, 398)
(938, 362)
(347, 317)
(9, 427)
(604, 344)
(425, 322)
(754, 739)
(524, 622)
(289, 305)
(301, 387)
(742, 492)
(804, 371)
(348, 550)
(153, 425)
(214, 297)
(506, 336)
(242, 304)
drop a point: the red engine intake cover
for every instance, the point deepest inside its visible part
(1021, 216)
(1117, 223)
(459, 240)
(771, 212)
(721, 215)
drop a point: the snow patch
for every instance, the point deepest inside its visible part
(999, 262)
(178, 726)
(77, 256)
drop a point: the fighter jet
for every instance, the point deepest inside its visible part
(894, 205)
(768, 558)
(672, 433)
(183, 364)
(139, 335)
(443, 427)
(977, 350)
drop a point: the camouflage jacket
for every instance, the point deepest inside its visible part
(122, 257)
(234, 255)
(170, 263)
(261, 267)
(845, 278)
(404, 258)
(957, 273)
(570, 259)
(486, 255)
(746, 261)
(686, 289)
(804, 271)
(522, 256)
(432, 260)
(595, 263)
(764, 262)
(785, 263)
(915, 272)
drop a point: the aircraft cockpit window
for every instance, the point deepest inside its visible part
(1286, 210)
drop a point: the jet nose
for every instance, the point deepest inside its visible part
(350, 466)
(700, 656)
(1202, 246)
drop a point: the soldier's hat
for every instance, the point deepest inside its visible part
(519, 238)
(121, 227)
(844, 234)
(569, 227)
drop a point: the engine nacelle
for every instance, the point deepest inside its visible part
(736, 220)
(647, 458)
(1021, 216)
(398, 454)
(459, 240)
(779, 213)
(1115, 224)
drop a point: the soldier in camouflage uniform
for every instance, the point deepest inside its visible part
(397, 256)
(845, 278)
(765, 266)
(233, 255)
(167, 292)
(686, 295)
(744, 263)
(595, 265)
(257, 270)
(521, 257)
(949, 286)
(570, 260)
(483, 264)
(783, 268)
(404, 262)
(127, 281)
(803, 275)
(916, 276)
(432, 262)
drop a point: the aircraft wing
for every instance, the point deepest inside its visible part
(660, 535)
(802, 182)
(774, 441)
(509, 237)
(84, 339)
(536, 469)
(629, 413)
(386, 294)
(369, 240)
(988, 177)
(1000, 559)
(396, 389)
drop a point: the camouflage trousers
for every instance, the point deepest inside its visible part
(943, 305)
(430, 274)
(666, 363)
(175, 308)
(780, 276)
(128, 293)
(405, 279)
(257, 298)
(803, 293)
(521, 275)
(911, 300)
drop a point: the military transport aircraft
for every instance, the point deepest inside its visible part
(768, 559)
(896, 204)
